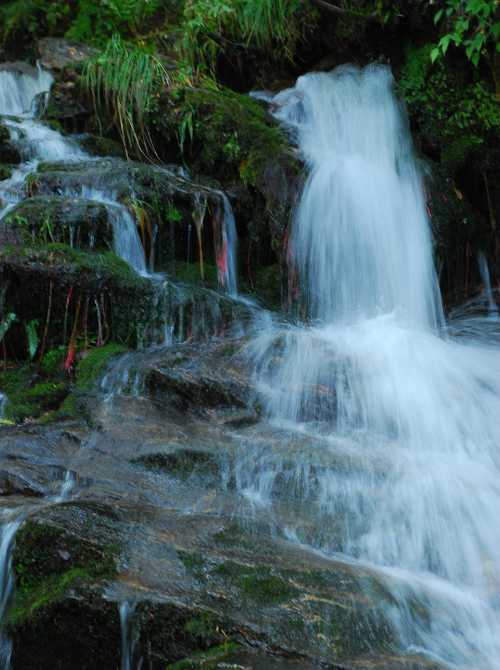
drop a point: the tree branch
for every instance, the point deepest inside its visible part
(223, 42)
(337, 11)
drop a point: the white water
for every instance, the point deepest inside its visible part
(417, 414)
(230, 245)
(36, 142)
(485, 276)
(7, 581)
(131, 656)
(18, 90)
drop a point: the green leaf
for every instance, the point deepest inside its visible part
(438, 15)
(475, 58)
(434, 54)
(5, 324)
(444, 42)
(32, 338)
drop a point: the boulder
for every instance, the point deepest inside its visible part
(56, 53)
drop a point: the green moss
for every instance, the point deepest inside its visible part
(229, 537)
(59, 219)
(194, 563)
(47, 561)
(207, 659)
(92, 366)
(55, 125)
(28, 395)
(5, 172)
(181, 463)
(170, 634)
(131, 299)
(258, 584)
(233, 136)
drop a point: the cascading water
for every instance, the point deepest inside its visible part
(228, 260)
(485, 276)
(415, 416)
(131, 655)
(7, 582)
(19, 86)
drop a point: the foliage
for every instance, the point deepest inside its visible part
(446, 105)
(32, 337)
(273, 27)
(5, 324)
(92, 21)
(126, 77)
(474, 25)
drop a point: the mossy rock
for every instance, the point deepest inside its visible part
(9, 153)
(92, 366)
(29, 394)
(236, 142)
(62, 219)
(101, 276)
(169, 633)
(237, 137)
(184, 464)
(5, 172)
(47, 562)
(80, 631)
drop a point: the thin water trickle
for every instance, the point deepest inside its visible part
(7, 581)
(418, 414)
(485, 276)
(131, 656)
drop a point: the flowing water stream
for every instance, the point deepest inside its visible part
(415, 411)
(376, 383)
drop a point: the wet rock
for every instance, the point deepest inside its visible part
(134, 297)
(9, 153)
(185, 464)
(80, 631)
(12, 483)
(68, 104)
(79, 220)
(56, 53)
(199, 377)
(19, 68)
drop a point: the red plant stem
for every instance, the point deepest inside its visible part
(65, 322)
(84, 325)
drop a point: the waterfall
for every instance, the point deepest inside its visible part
(229, 265)
(131, 656)
(485, 276)
(373, 381)
(7, 583)
(19, 85)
